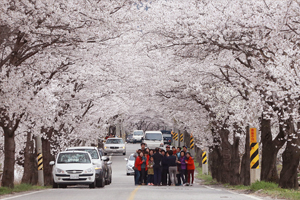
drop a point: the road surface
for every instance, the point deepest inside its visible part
(123, 188)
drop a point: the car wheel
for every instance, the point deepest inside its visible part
(101, 182)
(54, 185)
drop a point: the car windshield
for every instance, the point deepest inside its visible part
(73, 158)
(114, 141)
(93, 152)
(167, 135)
(131, 157)
(153, 136)
(138, 133)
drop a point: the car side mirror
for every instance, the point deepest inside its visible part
(51, 163)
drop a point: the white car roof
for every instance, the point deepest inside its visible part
(152, 132)
(82, 148)
(74, 152)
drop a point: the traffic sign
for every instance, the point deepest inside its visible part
(253, 138)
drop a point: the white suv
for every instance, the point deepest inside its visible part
(137, 136)
(153, 139)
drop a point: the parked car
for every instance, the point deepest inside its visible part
(114, 145)
(153, 139)
(103, 174)
(129, 138)
(138, 136)
(73, 168)
(130, 164)
(167, 137)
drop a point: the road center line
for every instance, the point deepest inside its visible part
(131, 197)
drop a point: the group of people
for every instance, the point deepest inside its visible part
(163, 167)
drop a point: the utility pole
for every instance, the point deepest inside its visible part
(40, 160)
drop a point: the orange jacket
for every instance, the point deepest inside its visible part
(190, 165)
(138, 163)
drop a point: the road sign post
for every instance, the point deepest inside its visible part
(204, 163)
(254, 157)
(40, 161)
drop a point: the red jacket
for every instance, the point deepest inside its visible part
(190, 165)
(138, 163)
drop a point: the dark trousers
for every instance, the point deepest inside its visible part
(182, 175)
(136, 176)
(178, 179)
(143, 177)
(157, 176)
(164, 176)
(150, 178)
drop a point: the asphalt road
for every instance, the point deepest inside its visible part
(123, 188)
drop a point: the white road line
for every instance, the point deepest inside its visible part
(246, 195)
(23, 195)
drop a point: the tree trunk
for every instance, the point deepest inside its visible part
(30, 167)
(47, 156)
(270, 150)
(235, 163)
(9, 158)
(290, 157)
(245, 165)
(226, 156)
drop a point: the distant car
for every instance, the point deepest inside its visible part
(129, 139)
(73, 168)
(153, 139)
(167, 137)
(114, 145)
(138, 136)
(130, 164)
(103, 177)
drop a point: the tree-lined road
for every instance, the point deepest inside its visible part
(122, 188)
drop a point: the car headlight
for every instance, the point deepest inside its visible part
(123, 147)
(89, 170)
(60, 171)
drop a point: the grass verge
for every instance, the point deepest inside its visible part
(260, 187)
(20, 188)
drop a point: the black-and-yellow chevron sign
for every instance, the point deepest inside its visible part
(40, 161)
(204, 158)
(192, 144)
(254, 156)
(181, 137)
(176, 136)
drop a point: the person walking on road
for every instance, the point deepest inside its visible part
(190, 165)
(172, 161)
(157, 157)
